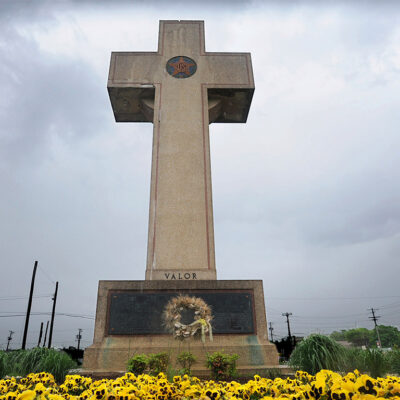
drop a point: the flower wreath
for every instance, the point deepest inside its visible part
(202, 317)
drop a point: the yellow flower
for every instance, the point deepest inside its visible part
(100, 392)
(213, 394)
(27, 395)
(11, 396)
(55, 397)
(395, 388)
(340, 394)
(365, 385)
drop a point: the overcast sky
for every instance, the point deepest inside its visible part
(306, 194)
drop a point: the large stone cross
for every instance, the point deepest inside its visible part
(181, 89)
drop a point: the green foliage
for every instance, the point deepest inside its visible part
(171, 373)
(390, 336)
(39, 359)
(272, 373)
(221, 365)
(376, 362)
(359, 336)
(354, 359)
(393, 358)
(138, 364)
(151, 363)
(3, 364)
(158, 363)
(186, 359)
(338, 336)
(318, 352)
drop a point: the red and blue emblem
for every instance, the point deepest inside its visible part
(181, 67)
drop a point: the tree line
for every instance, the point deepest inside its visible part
(389, 335)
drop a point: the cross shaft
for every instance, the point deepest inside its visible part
(181, 233)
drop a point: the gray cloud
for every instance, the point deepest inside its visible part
(41, 99)
(305, 193)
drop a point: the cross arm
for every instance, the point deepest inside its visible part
(230, 83)
(130, 85)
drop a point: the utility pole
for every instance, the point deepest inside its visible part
(9, 339)
(40, 334)
(45, 334)
(375, 319)
(52, 315)
(79, 337)
(287, 314)
(28, 311)
(271, 329)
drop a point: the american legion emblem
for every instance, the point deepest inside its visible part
(181, 67)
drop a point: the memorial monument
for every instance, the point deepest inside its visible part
(181, 89)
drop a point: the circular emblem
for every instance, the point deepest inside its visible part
(181, 67)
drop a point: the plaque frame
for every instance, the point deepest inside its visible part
(112, 292)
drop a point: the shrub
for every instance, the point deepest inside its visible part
(393, 358)
(186, 359)
(354, 359)
(172, 373)
(222, 366)
(318, 352)
(39, 359)
(272, 373)
(158, 363)
(372, 361)
(376, 362)
(3, 364)
(137, 364)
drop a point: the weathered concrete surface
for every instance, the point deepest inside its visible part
(111, 352)
(181, 231)
(181, 252)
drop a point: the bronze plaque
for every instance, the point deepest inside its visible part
(140, 313)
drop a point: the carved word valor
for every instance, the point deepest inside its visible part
(179, 275)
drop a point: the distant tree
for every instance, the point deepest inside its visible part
(359, 336)
(338, 336)
(390, 336)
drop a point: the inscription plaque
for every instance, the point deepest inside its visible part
(140, 313)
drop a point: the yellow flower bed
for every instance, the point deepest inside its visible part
(325, 385)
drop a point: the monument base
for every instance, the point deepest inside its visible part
(129, 322)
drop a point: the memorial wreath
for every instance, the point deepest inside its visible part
(202, 318)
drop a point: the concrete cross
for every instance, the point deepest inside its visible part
(181, 89)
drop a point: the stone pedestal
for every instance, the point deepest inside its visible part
(128, 322)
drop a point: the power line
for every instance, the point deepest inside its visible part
(20, 314)
(328, 317)
(24, 297)
(334, 298)
(46, 275)
(76, 315)
(390, 305)
(312, 317)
